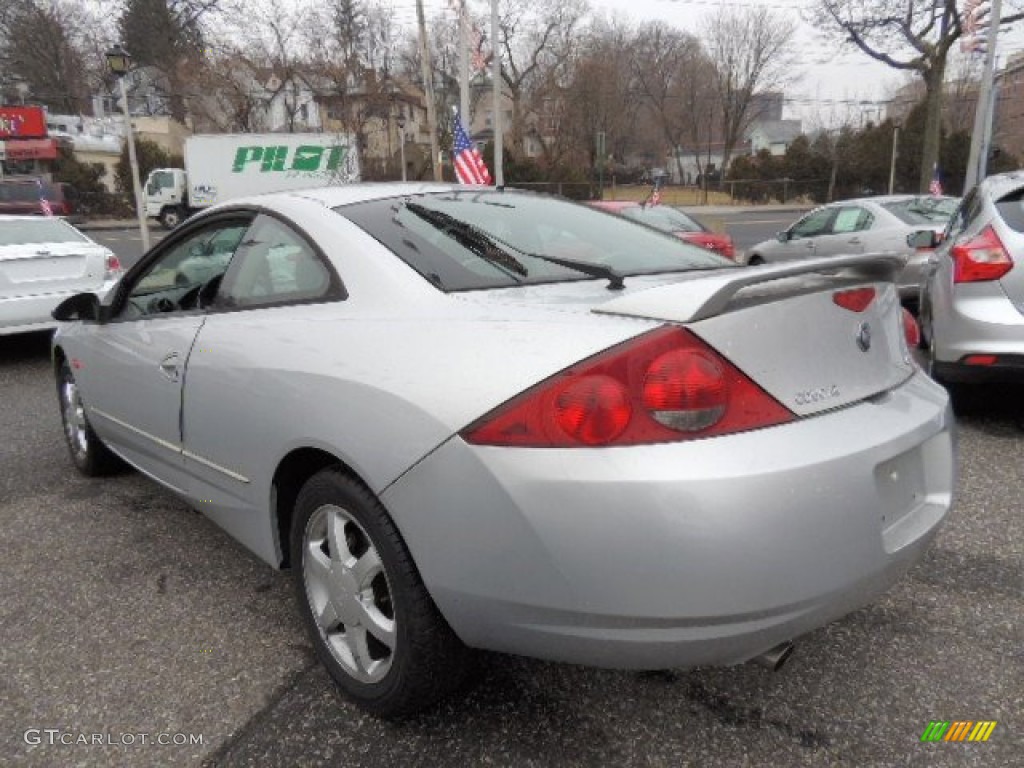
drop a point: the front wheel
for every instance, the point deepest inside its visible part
(171, 217)
(89, 454)
(754, 261)
(368, 613)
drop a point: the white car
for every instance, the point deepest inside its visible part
(43, 260)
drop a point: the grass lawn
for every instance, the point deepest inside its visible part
(669, 195)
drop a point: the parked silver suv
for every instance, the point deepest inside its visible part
(972, 299)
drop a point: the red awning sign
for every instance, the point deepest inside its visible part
(31, 149)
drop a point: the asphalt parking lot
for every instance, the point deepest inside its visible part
(126, 614)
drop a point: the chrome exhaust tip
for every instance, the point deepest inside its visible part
(774, 659)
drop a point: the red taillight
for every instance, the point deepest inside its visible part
(911, 329)
(685, 390)
(111, 266)
(980, 360)
(593, 409)
(980, 259)
(855, 300)
(664, 386)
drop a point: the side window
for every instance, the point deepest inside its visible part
(275, 264)
(852, 219)
(813, 224)
(186, 275)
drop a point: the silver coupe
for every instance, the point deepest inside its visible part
(471, 418)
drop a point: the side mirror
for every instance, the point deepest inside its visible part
(783, 236)
(924, 238)
(81, 306)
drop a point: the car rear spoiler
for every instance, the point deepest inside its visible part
(708, 296)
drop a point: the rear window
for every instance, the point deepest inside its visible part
(925, 211)
(25, 193)
(40, 230)
(1011, 209)
(665, 219)
(490, 239)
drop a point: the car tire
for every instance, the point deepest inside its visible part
(171, 217)
(366, 609)
(88, 453)
(754, 261)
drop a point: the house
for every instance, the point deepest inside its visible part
(99, 140)
(773, 135)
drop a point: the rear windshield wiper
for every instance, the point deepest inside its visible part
(486, 247)
(472, 239)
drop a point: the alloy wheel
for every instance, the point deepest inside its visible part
(349, 594)
(75, 425)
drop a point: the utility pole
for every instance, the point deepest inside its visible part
(981, 113)
(892, 163)
(464, 64)
(428, 89)
(499, 139)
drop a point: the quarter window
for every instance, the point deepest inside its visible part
(275, 264)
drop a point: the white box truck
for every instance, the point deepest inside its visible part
(220, 167)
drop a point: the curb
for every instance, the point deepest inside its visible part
(101, 224)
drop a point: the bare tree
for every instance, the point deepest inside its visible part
(43, 53)
(912, 35)
(752, 54)
(168, 35)
(671, 72)
(599, 98)
(537, 40)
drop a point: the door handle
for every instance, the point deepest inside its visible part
(854, 241)
(169, 366)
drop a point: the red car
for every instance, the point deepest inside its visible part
(671, 220)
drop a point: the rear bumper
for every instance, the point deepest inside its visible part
(24, 314)
(707, 552)
(977, 319)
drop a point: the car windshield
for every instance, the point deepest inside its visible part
(39, 230)
(923, 210)
(490, 239)
(665, 219)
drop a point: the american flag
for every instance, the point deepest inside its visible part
(43, 202)
(470, 167)
(479, 60)
(935, 186)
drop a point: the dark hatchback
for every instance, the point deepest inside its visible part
(22, 197)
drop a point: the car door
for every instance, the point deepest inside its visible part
(801, 239)
(233, 415)
(131, 369)
(846, 231)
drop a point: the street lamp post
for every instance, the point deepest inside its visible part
(119, 62)
(401, 141)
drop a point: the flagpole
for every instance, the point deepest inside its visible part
(464, 64)
(499, 140)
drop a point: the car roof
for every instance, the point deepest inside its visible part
(360, 192)
(998, 185)
(881, 199)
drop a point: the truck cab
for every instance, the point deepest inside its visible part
(167, 196)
